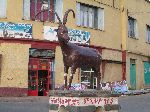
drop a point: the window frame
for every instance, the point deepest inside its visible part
(99, 13)
(135, 28)
(3, 9)
(50, 3)
(148, 34)
(86, 78)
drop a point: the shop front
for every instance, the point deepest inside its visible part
(40, 72)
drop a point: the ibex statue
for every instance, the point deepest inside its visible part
(75, 56)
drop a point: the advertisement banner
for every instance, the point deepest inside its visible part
(15, 30)
(76, 36)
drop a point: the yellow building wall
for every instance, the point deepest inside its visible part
(124, 24)
(138, 48)
(14, 68)
(111, 55)
(110, 37)
(138, 10)
(112, 72)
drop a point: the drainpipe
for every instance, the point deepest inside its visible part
(124, 35)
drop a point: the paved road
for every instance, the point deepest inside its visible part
(29, 104)
(139, 103)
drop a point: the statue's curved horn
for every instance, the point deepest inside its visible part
(58, 18)
(39, 13)
(66, 15)
(49, 11)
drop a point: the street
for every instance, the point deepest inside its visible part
(24, 104)
(139, 103)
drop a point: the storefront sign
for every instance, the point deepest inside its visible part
(41, 53)
(76, 36)
(83, 101)
(14, 30)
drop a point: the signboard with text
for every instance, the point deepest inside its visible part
(76, 36)
(15, 30)
(83, 101)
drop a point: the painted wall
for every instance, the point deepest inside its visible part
(138, 10)
(136, 48)
(111, 55)
(110, 37)
(14, 71)
(112, 72)
(114, 35)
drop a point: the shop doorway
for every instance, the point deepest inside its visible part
(39, 77)
(43, 82)
(40, 72)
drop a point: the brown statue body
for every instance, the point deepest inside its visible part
(75, 56)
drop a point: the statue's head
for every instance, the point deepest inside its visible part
(62, 31)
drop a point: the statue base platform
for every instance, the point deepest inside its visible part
(83, 101)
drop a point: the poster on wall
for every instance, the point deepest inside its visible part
(15, 30)
(76, 36)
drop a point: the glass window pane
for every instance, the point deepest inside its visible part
(148, 33)
(26, 9)
(132, 28)
(91, 17)
(3, 8)
(59, 9)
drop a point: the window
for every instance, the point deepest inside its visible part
(32, 7)
(90, 16)
(86, 77)
(132, 28)
(148, 34)
(3, 8)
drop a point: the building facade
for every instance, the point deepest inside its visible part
(135, 37)
(30, 56)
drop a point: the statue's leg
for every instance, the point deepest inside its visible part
(73, 69)
(98, 81)
(98, 78)
(65, 76)
(70, 80)
(91, 80)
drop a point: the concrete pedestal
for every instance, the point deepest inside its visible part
(83, 101)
